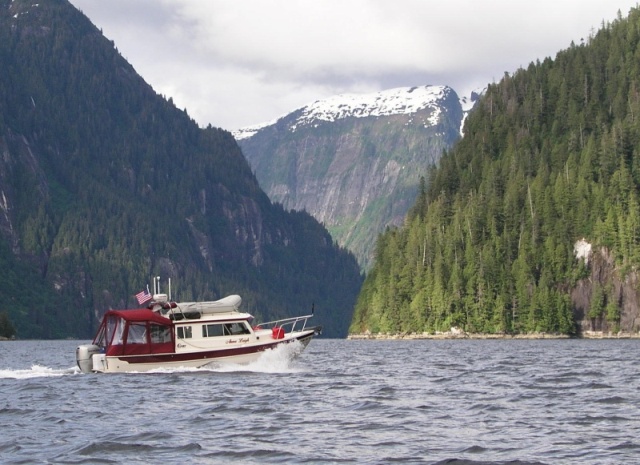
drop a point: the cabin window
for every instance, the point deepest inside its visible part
(137, 333)
(159, 333)
(227, 329)
(110, 326)
(236, 328)
(100, 339)
(212, 330)
(184, 332)
(118, 337)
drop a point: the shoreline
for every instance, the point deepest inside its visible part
(480, 336)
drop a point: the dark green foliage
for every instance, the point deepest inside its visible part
(550, 156)
(6, 328)
(106, 184)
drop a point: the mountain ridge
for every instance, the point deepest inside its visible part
(354, 162)
(399, 100)
(105, 183)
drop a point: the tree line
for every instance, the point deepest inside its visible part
(549, 157)
(108, 184)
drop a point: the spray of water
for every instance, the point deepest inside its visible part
(277, 360)
(37, 371)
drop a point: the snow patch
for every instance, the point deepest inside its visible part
(250, 131)
(398, 101)
(467, 104)
(582, 250)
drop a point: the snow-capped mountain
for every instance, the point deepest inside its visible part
(354, 161)
(398, 101)
(401, 101)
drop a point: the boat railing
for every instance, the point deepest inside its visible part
(287, 324)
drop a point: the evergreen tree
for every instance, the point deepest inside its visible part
(549, 157)
(6, 327)
(106, 183)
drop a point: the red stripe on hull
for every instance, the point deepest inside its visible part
(208, 355)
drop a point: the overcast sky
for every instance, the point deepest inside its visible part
(235, 63)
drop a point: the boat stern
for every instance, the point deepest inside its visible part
(84, 357)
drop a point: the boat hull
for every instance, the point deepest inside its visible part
(249, 353)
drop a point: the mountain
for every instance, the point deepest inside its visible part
(531, 222)
(104, 184)
(354, 161)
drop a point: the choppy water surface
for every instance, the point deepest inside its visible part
(472, 401)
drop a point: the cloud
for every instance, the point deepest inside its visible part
(233, 63)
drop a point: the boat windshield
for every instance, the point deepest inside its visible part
(107, 330)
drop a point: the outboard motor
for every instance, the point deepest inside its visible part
(84, 357)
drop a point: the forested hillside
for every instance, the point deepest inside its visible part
(550, 157)
(105, 184)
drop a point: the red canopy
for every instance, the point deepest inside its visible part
(140, 314)
(135, 332)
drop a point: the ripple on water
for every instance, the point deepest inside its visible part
(428, 402)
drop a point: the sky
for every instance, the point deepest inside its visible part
(237, 63)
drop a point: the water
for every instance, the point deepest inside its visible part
(471, 401)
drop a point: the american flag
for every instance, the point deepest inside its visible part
(143, 296)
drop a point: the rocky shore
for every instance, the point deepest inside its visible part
(459, 334)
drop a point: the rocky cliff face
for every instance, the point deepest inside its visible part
(354, 162)
(104, 183)
(616, 285)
